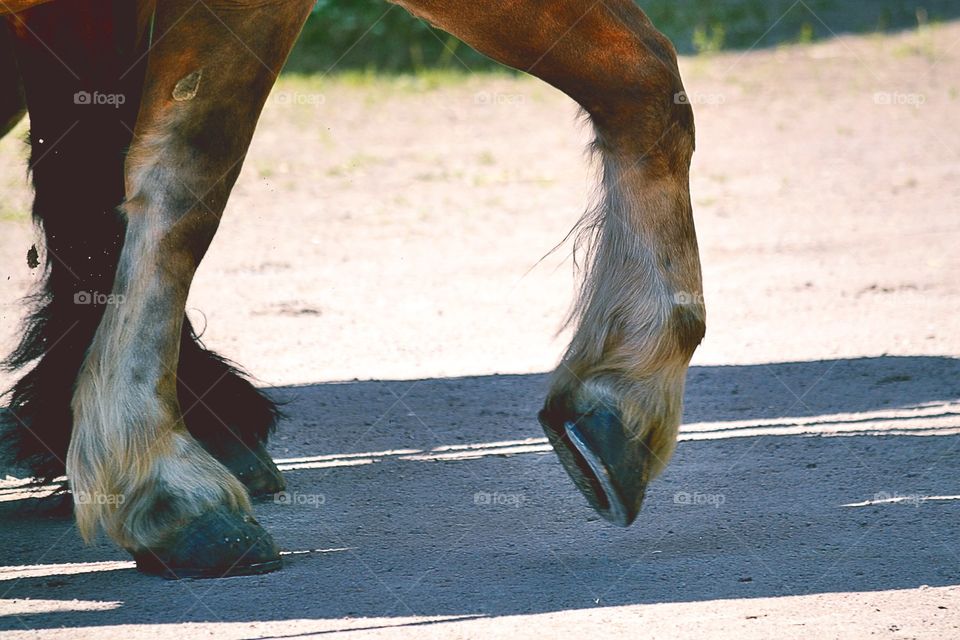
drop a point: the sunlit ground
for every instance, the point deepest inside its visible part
(387, 233)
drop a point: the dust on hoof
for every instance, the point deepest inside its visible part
(218, 544)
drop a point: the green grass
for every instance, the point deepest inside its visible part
(396, 80)
(363, 37)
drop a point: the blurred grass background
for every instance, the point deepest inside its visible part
(376, 37)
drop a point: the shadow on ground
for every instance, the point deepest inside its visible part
(495, 535)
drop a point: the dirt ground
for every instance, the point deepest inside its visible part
(378, 267)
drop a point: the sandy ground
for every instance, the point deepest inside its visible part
(387, 234)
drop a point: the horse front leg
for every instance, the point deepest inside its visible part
(614, 407)
(133, 466)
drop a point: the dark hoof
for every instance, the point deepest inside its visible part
(252, 466)
(218, 544)
(607, 467)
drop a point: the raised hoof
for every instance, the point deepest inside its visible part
(218, 544)
(252, 465)
(607, 466)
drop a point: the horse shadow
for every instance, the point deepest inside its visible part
(438, 498)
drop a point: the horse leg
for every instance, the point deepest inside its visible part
(614, 407)
(76, 163)
(79, 185)
(227, 414)
(161, 495)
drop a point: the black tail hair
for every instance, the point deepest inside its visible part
(78, 142)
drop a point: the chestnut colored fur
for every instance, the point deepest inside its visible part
(638, 318)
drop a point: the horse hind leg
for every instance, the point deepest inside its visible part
(76, 152)
(614, 407)
(227, 414)
(78, 188)
(155, 489)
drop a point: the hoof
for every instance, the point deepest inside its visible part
(608, 467)
(218, 544)
(252, 465)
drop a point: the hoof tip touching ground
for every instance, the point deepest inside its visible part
(218, 544)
